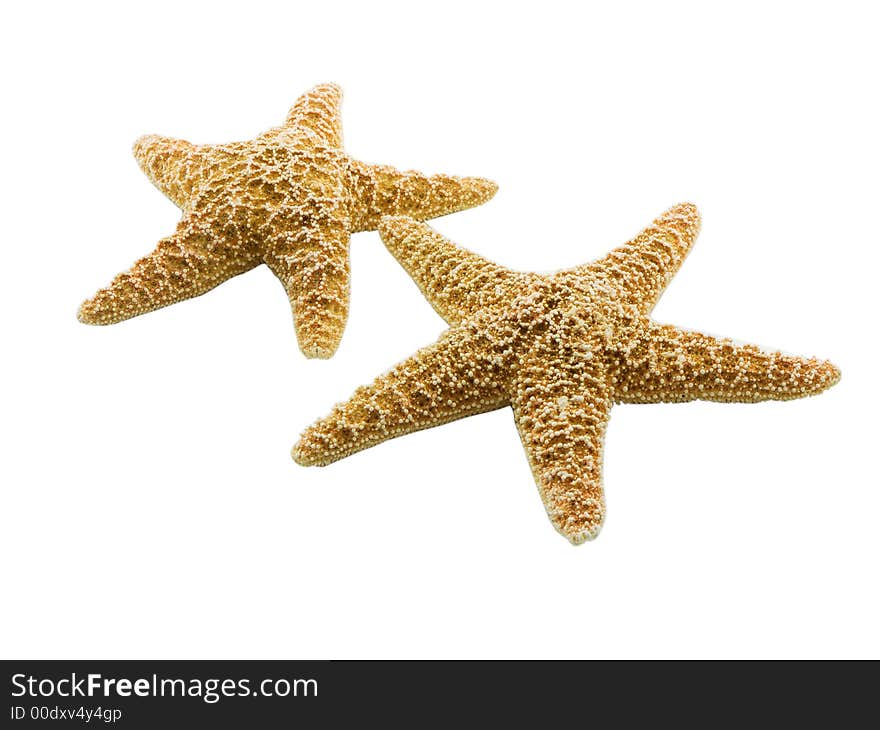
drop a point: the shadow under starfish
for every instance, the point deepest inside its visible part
(289, 199)
(560, 349)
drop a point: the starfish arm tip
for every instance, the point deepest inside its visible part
(319, 320)
(452, 194)
(578, 527)
(318, 330)
(837, 374)
(829, 375)
(582, 536)
(482, 187)
(86, 313)
(300, 454)
(143, 144)
(100, 310)
(686, 212)
(315, 351)
(686, 208)
(692, 218)
(175, 166)
(148, 146)
(317, 114)
(328, 87)
(145, 150)
(312, 449)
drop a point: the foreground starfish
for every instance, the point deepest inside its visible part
(289, 199)
(560, 349)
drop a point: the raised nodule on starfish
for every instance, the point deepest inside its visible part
(290, 199)
(559, 349)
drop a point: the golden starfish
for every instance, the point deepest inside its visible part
(290, 199)
(560, 349)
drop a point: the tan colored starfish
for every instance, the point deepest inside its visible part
(290, 199)
(560, 349)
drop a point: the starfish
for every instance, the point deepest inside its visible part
(290, 199)
(560, 349)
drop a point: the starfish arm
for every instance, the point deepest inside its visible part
(311, 259)
(671, 365)
(184, 265)
(561, 405)
(642, 268)
(455, 281)
(317, 112)
(379, 190)
(174, 166)
(451, 379)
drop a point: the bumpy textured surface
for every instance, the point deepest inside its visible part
(560, 349)
(290, 199)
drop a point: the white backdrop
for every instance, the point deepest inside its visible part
(150, 507)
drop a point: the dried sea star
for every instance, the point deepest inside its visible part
(290, 199)
(560, 350)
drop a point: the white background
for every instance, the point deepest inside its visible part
(150, 507)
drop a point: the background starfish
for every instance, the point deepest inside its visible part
(560, 349)
(290, 199)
